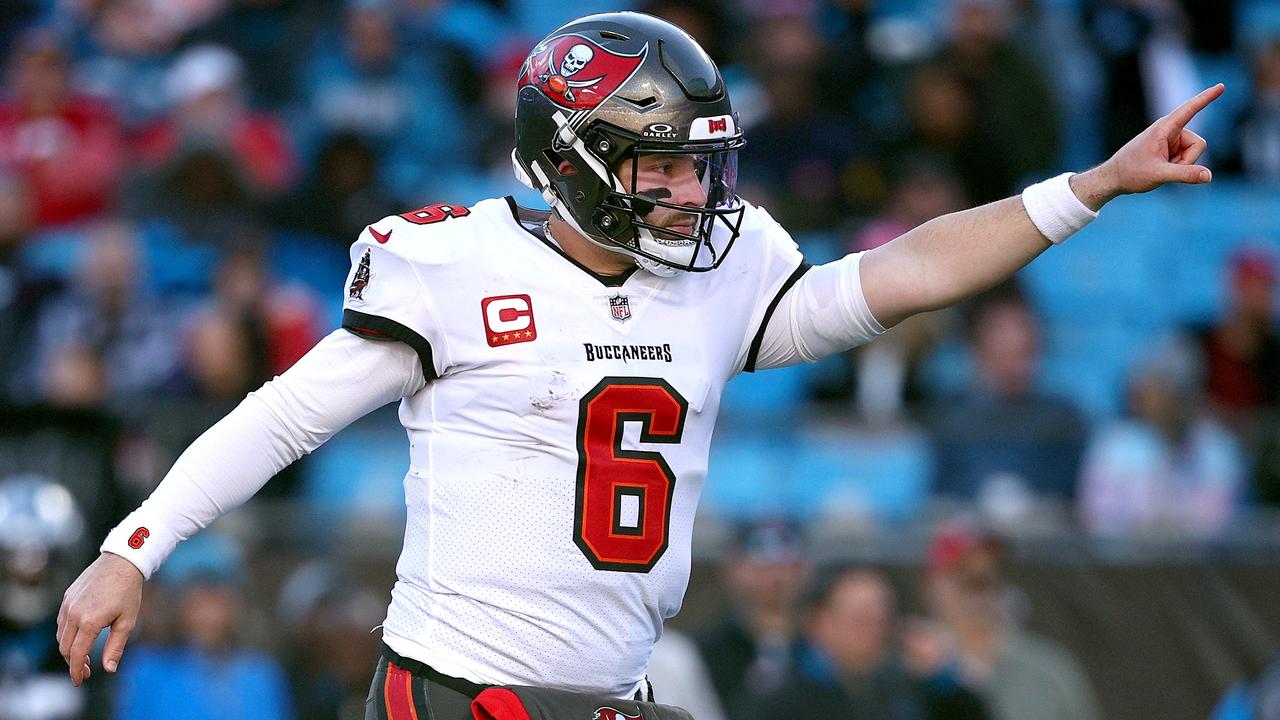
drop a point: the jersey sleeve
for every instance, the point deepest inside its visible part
(804, 312)
(824, 312)
(780, 266)
(387, 300)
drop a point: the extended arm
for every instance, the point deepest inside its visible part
(341, 379)
(958, 255)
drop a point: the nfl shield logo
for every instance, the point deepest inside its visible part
(620, 307)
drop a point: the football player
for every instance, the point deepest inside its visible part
(559, 373)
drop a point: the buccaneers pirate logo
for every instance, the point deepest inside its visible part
(361, 279)
(576, 73)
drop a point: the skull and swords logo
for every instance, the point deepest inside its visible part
(578, 73)
(574, 60)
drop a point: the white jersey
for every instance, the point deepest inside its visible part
(559, 445)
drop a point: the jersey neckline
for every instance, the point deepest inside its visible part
(606, 280)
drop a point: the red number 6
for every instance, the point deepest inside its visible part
(435, 213)
(623, 505)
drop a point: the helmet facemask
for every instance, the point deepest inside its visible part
(638, 222)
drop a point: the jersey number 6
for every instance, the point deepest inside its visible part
(623, 510)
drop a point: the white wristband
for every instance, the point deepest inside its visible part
(1055, 209)
(142, 542)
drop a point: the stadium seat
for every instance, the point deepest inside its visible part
(773, 393)
(750, 474)
(360, 471)
(877, 476)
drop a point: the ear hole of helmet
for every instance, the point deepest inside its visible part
(559, 163)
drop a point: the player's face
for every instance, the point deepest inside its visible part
(672, 178)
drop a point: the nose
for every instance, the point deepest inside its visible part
(686, 189)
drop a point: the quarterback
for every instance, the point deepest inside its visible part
(559, 373)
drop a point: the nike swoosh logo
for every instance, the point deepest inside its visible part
(382, 238)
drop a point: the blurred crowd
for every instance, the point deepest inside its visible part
(179, 182)
(845, 642)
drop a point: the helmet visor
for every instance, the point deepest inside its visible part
(678, 195)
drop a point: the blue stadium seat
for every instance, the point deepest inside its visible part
(1257, 21)
(877, 476)
(750, 474)
(55, 253)
(172, 264)
(360, 471)
(768, 393)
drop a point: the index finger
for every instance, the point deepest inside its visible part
(79, 653)
(1187, 110)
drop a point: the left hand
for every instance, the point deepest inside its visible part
(1164, 153)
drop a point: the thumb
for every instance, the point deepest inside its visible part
(1191, 174)
(116, 640)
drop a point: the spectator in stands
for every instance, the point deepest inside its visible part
(676, 666)
(944, 120)
(1169, 466)
(109, 311)
(1053, 35)
(271, 37)
(1142, 45)
(203, 197)
(1019, 674)
(125, 58)
(209, 113)
(1242, 351)
(800, 148)
(848, 668)
(66, 146)
(921, 188)
(251, 328)
(1259, 125)
(752, 648)
(362, 78)
(344, 193)
(886, 375)
(326, 615)
(1009, 94)
(53, 420)
(1006, 438)
(210, 674)
(283, 314)
(226, 356)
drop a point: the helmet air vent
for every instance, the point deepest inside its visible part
(641, 104)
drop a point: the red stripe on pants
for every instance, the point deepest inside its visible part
(398, 694)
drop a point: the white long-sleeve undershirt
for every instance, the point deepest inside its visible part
(341, 379)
